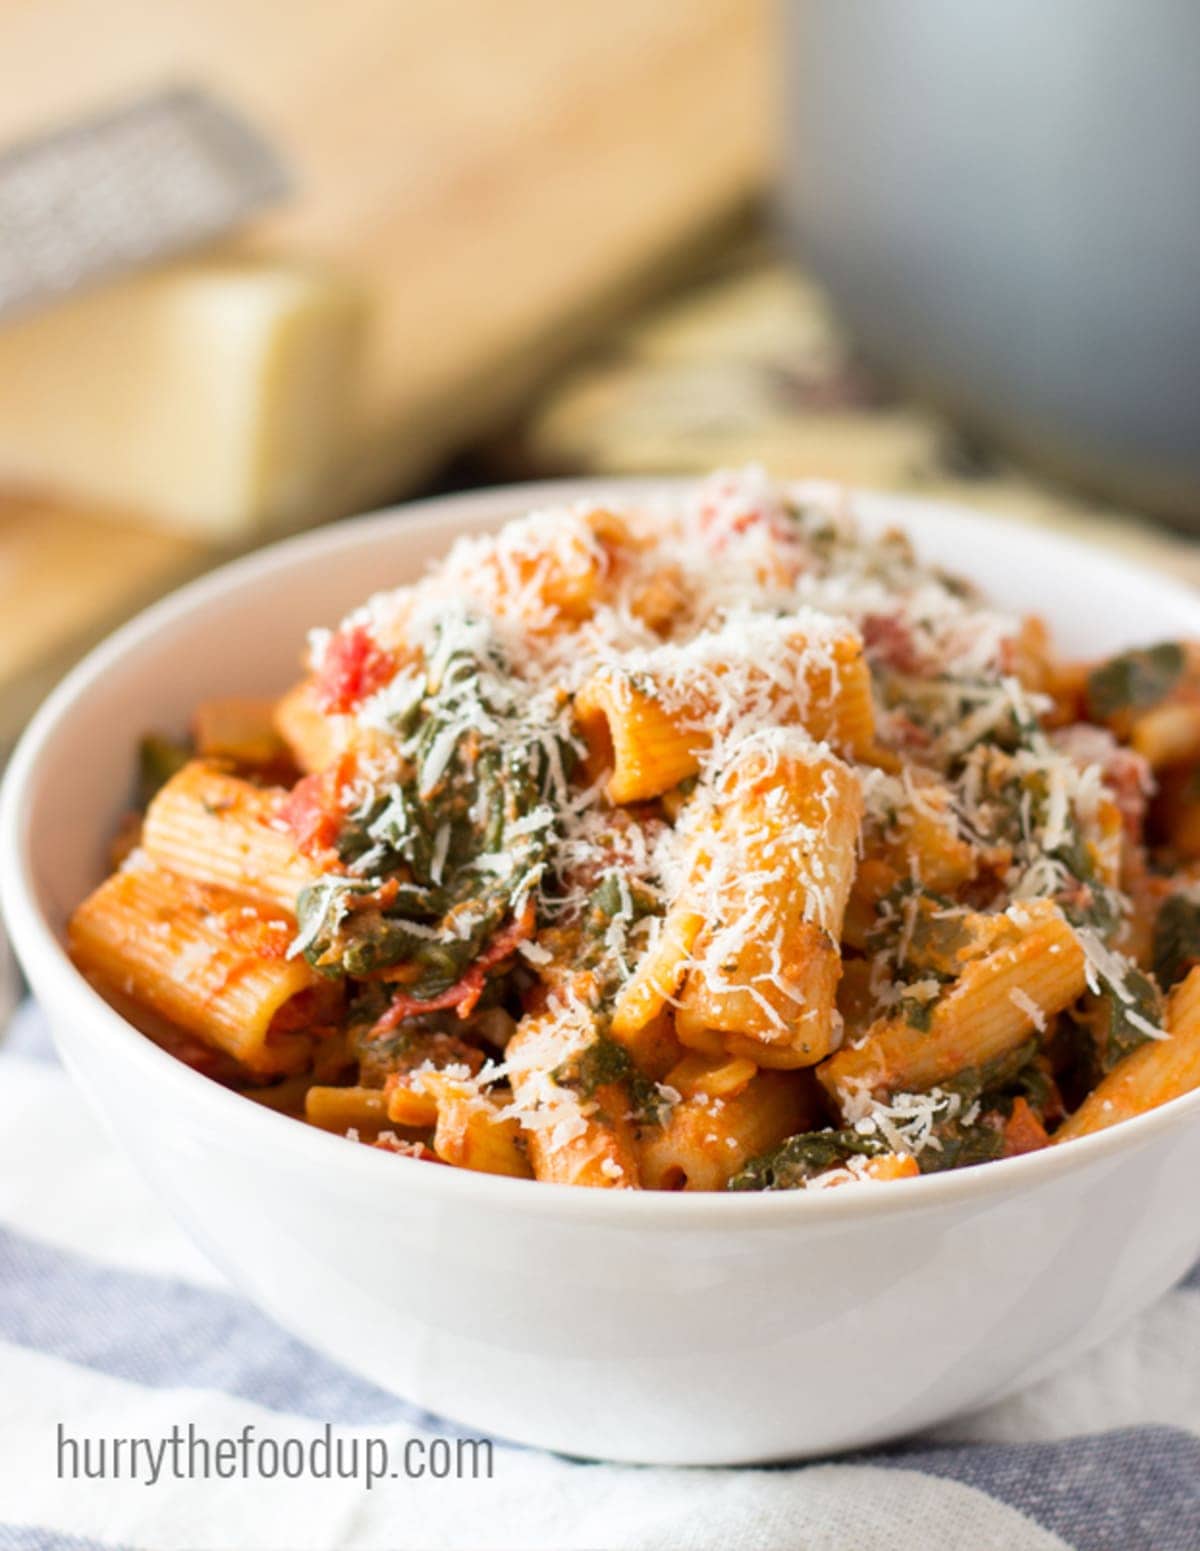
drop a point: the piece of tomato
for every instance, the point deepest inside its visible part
(354, 667)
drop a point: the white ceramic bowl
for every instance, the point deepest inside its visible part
(674, 1329)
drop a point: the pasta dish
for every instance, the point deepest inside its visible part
(698, 843)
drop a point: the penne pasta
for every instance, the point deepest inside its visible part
(924, 841)
(472, 1134)
(470, 1130)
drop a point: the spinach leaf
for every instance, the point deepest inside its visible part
(961, 1145)
(1176, 939)
(1134, 680)
(1093, 903)
(461, 839)
(1114, 1034)
(606, 1062)
(793, 1163)
(159, 758)
(614, 899)
(917, 1012)
(932, 927)
(987, 1093)
(973, 1082)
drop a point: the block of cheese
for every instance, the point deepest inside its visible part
(212, 395)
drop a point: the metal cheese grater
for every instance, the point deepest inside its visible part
(113, 191)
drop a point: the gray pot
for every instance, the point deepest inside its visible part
(1003, 197)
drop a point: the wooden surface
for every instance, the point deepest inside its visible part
(502, 176)
(65, 578)
(498, 173)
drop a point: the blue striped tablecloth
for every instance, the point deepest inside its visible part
(112, 1325)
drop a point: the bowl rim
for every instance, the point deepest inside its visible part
(45, 959)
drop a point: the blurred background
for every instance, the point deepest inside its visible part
(267, 262)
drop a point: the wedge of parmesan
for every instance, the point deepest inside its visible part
(211, 395)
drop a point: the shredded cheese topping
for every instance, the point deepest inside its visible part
(705, 790)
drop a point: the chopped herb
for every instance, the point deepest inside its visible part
(969, 1129)
(793, 1163)
(461, 838)
(606, 1062)
(992, 1076)
(159, 758)
(1115, 1033)
(918, 1012)
(610, 896)
(615, 898)
(378, 942)
(1176, 939)
(1134, 681)
(1085, 899)
(1018, 730)
(920, 934)
(932, 929)
(974, 1132)
(961, 1145)
(1092, 903)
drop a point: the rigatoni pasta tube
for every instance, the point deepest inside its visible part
(994, 1005)
(1178, 809)
(313, 737)
(890, 1165)
(571, 1138)
(763, 976)
(240, 728)
(1168, 735)
(208, 960)
(213, 827)
(1155, 1072)
(470, 1131)
(651, 731)
(706, 1139)
(925, 843)
(340, 1109)
(545, 580)
(659, 971)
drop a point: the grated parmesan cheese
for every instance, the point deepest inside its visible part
(724, 609)
(1025, 1003)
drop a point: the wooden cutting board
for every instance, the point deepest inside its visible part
(501, 175)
